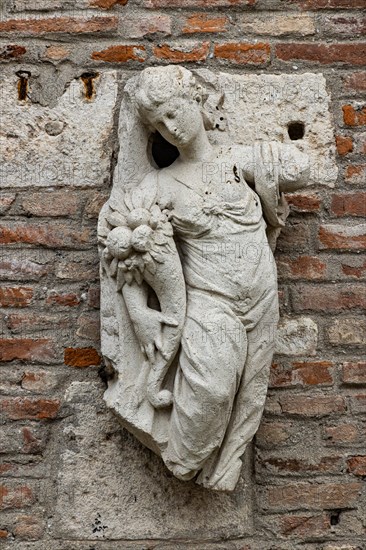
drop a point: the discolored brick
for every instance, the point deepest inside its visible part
(243, 53)
(182, 53)
(24, 408)
(57, 25)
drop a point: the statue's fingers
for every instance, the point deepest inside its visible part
(158, 342)
(160, 347)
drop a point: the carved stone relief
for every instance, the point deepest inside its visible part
(189, 304)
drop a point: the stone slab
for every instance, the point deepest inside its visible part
(68, 144)
(261, 107)
(110, 487)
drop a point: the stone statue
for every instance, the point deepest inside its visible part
(188, 281)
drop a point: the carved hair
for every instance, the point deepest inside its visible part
(156, 85)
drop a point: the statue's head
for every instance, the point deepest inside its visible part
(171, 101)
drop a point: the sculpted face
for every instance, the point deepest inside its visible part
(178, 120)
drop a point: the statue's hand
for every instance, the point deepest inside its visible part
(148, 325)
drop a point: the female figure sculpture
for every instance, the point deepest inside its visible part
(187, 267)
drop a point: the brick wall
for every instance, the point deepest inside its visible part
(310, 459)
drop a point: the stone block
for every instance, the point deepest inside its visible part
(111, 487)
(68, 144)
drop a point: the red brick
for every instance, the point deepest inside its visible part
(299, 466)
(56, 52)
(308, 406)
(95, 204)
(68, 299)
(32, 321)
(78, 270)
(347, 25)
(295, 236)
(354, 116)
(121, 54)
(358, 403)
(355, 82)
(173, 4)
(27, 349)
(11, 51)
(338, 237)
(313, 373)
(345, 433)
(55, 236)
(243, 53)
(17, 496)
(94, 297)
(89, 326)
(328, 297)
(138, 26)
(25, 408)
(329, 4)
(182, 53)
(28, 528)
(352, 54)
(349, 204)
(302, 267)
(15, 296)
(56, 203)
(107, 4)
(22, 269)
(4, 533)
(6, 199)
(357, 465)
(81, 357)
(356, 271)
(344, 145)
(39, 382)
(304, 526)
(294, 496)
(24, 440)
(201, 22)
(355, 174)
(354, 373)
(272, 434)
(6, 468)
(65, 25)
(304, 202)
(33, 442)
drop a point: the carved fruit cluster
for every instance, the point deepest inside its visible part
(137, 244)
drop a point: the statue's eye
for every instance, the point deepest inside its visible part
(170, 115)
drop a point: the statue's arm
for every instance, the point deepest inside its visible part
(292, 165)
(135, 297)
(152, 327)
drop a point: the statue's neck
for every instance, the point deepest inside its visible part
(198, 150)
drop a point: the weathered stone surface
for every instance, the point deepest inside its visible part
(280, 100)
(68, 144)
(297, 336)
(111, 487)
(347, 331)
